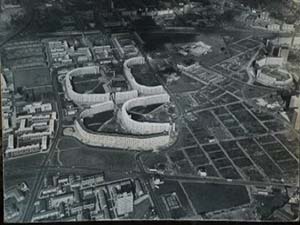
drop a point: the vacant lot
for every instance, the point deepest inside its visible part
(212, 197)
(23, 169)
(173, 186)
(32, 77)
(89, 157)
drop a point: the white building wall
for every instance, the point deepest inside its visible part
(265, 79)
(97, 108)
(136, 127)
(120, 141)
(3, 83)
(122, 97)
(87, 99)
(288, 41)
(295, 102)
(142, 89)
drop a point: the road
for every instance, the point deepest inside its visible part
(146, 177)
(194, 179)
(158, 204)
(160, 208)
(44, 167)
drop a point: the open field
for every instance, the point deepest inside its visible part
(168, 188)
(212, 197)
(78, 155)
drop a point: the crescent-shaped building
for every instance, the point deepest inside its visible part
(83, 99)
(120, 97)
(142, 89)
(143, 141)
(138, 135)
(270, 72)
(136, 127)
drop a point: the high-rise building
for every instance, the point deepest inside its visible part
(284, 53)
(296, 119)
(295, 104)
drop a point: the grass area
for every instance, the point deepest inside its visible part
(23, 169)
(104, 159)
(144, 76)
(95, 122)
(67, 143)
(32, 77)
(173, 186)
(152, 159)
(268, 204)
(184, 84)
(142, 210)
(99, 89)
(212, 197)
(18, 176)
(84, 87)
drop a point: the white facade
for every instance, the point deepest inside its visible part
(295, 102)
(287, 27)
(87, 99)
(44, 143)
(142, 89)
(270, 61)
(121, 97)
(34, 136)
(124, 203)
(121, 141)
(3, 83)
(22, 150)
(97, 108)
(136, 127)
(10, 144)
(51, 127)
(40, 118)
(273, 27)
(45, 215)
(293, 42)
(66, 198)
(268, 80)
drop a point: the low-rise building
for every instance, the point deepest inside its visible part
(124, 203)
(37, 107)
(19, 151)
(67, 198)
